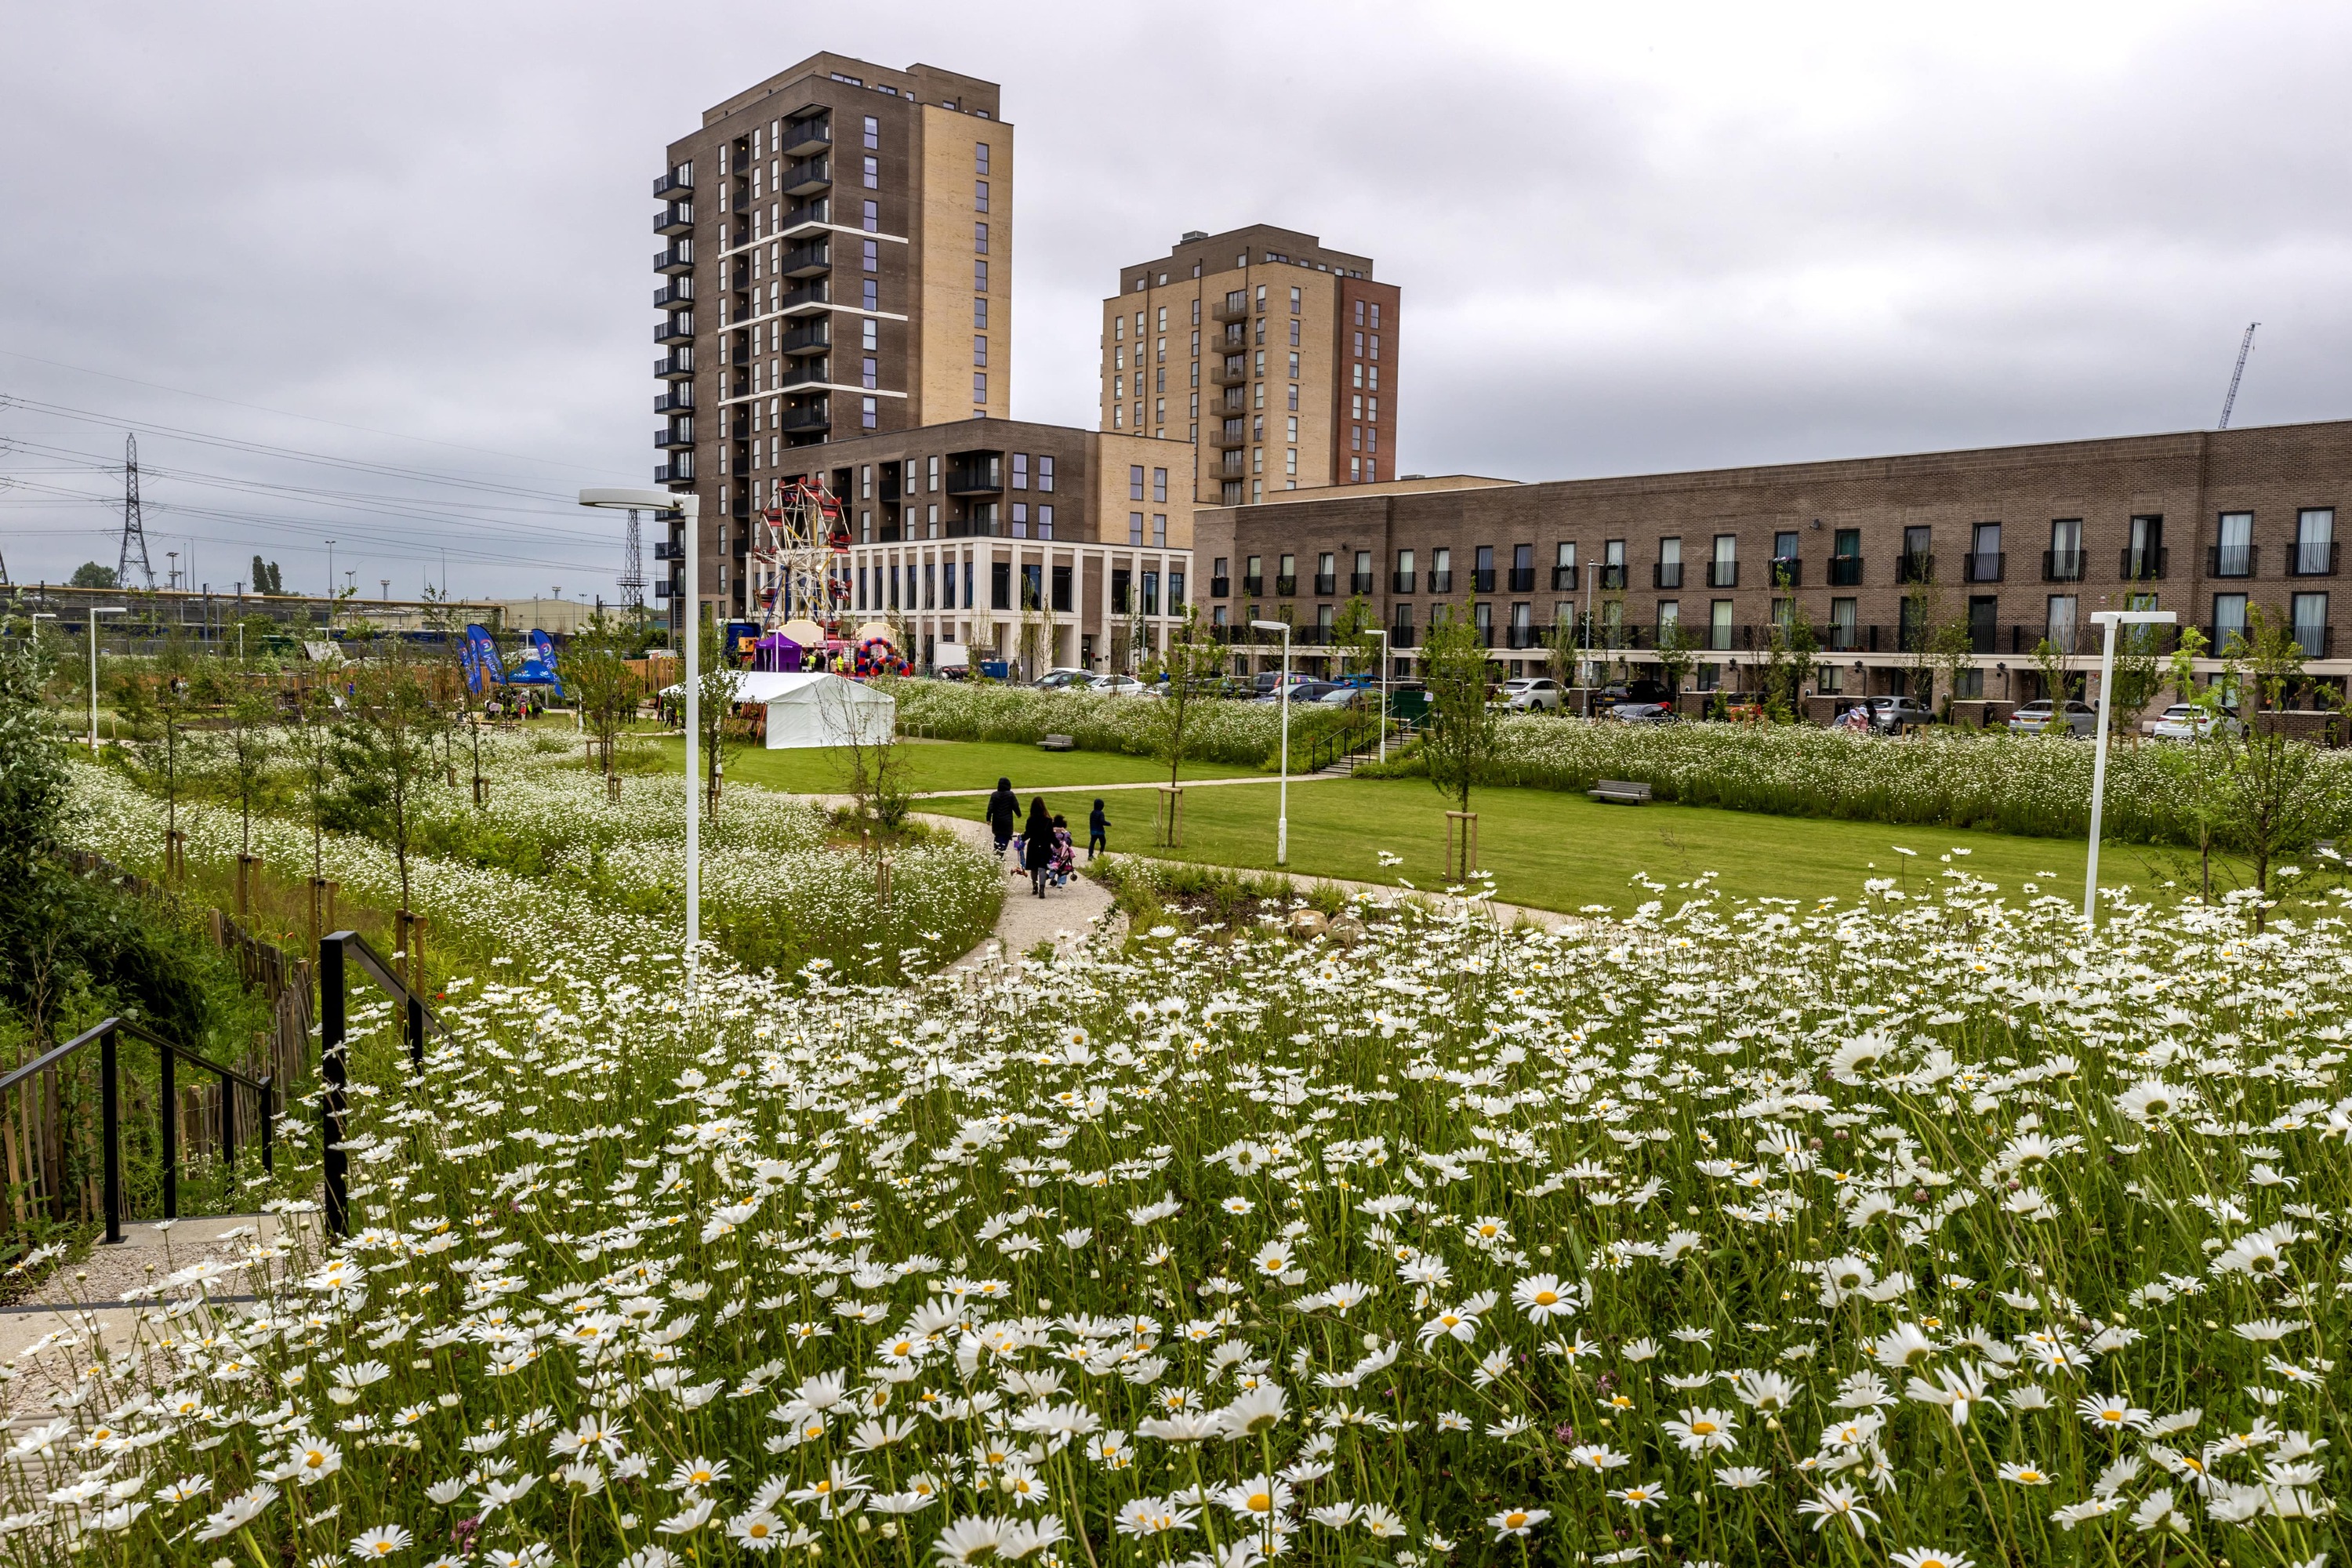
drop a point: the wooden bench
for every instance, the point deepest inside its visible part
(1057, 743)
(1618, 792)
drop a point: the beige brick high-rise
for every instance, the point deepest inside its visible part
(838, 262)
(1273, 354)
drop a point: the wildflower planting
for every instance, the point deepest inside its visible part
(2035, 785)
(1916, 1232)
(1240, 735)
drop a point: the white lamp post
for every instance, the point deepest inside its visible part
(1382, 633)
(2110, 619)
(1282, 801)
(96, 611)
(691, 505)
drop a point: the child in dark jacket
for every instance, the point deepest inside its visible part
(1098, 826)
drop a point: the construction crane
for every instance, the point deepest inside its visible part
(134, 526)
(2245, 346)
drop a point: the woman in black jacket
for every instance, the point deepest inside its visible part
(1037, 844)
(1004, 812)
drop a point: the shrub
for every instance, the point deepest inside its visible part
(1239, 734)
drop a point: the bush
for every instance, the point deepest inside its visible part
(1239, 734)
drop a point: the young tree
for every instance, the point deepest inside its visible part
(714, 700)
(240, 771)
(155, 706)
(1458, 737)
(1352, 634)
(604, 687)
(1789, 664)
(2281, 802)
(310, 734)
(874, 765)
(1677, 651)
(1190, 663)
(2050, 659)
(1951, 650)
(383, 753)
(2139, 675)
(1923, 610)
(1563, 651)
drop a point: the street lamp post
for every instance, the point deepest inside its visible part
(96, 611)
(691, 505)
(2110, 619)
(1382, 633)
(1282, 801)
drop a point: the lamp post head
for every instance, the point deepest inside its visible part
(644, 499)
(2137, 617)
(108, 610)
(1282, 626)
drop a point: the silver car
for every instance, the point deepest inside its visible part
(2078, 717)
(1532, 694)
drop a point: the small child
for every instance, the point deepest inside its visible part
(1098, 826)
(1066, 855)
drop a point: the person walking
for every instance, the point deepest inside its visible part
(1097, 830)
(1003, 811)
(1037, 845)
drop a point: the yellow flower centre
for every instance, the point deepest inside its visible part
(1261, 1502)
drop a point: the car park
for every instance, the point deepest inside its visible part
(2188, 722)
(2076, 718)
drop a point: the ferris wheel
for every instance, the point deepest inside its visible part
(795, 556)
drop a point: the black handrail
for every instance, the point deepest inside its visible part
(104, 1033)
(334, 948)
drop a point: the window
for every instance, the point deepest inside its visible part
(1159, 530)
(931, 473)
(870, 296)
(873, 174)
(2307, 616)
(1020, 470)
(1376, 346)
(872, 217)
(1670, 614)
(2233, 555)
(980, 237)
(1718, 623)
(873, 257)
(1440, 571)
(2229, 619)
(1045, 518)
(980, 157)
(980, 195)
(868, 408)
(1294, 334)
(869, 334)
(1296, 296)
(1135, 482)
(1135, 527)
(1160, 486)
(980, 351)
(2315, 541)
(980, 315)
(1376, 314)
(980, 276)
(980, 387)
(2065, 562)
(873, 134)
(1359, 345)
(870, 374)
(1563, 567)
(1359, 312)
(1020, 520)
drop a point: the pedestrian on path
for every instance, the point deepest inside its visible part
(1037, 845)
(1097, 828)
(1065, 852)
(1003, 811)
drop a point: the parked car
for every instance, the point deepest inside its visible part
(2187, 721)
(1640, 712)
(1889, 715)
(1064, 679)
(1643, 690)
(2079, 718)
(1122, 686)
(1532, 694)
(1266, 680)
(1302, 691)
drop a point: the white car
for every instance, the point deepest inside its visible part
(1532, 694)
(2034, 717)
(2187, 721)
(1122, 686)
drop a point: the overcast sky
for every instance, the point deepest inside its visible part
(418, 238)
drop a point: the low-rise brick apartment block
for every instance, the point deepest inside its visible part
(2024, 542)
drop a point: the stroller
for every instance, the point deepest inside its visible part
(1065, 862)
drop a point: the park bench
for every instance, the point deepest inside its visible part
(1618, 792)
(1056, 743)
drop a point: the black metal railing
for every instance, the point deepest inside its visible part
(1914, 567)
(1359, 583)
(1221, 587)
(1845, 570)
(1723, 573)
(1984, 565)
(1482, 580)
(1788, 572)
(2313, 559)
(2062, 566)
(337, 949)
(1523, 579)
(1441, 581)
(2314, 640)
(1563, 579)
(1668, 574)
(2144, 565)
(806, 136)
(1252, 588)
(2230, 561)
(1285, 587)
(1402, 582)
(1327, 584)
(104, 1035)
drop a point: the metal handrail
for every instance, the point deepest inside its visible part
(104, 1033)
(333, 948)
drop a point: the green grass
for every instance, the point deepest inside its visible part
(952, 764)
(1559, 851)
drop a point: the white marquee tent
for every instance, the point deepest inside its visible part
(811, 708)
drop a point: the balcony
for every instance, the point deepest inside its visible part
(2144, 565)
(737, 353)
(803, 372)
(1230, 494)
(676, 261)
(1252, 588)
(676, 329)
(804, 180)
(1234, 467)
(661, 588)
(1665, 575)
(1230, 434)
(1221, 587)
(1232, 341)
(2314, 640)
(1234, 371)
(804, 418)
(975, 473)
(670, 438)
(1327, 584)
(676, 218)
(806, 261)
(1723, 573)
(669, 549)
(2314, 560)
(1229, 309)
(803, 216)
(803, 137)
(1563, 579)
(2062, 566)
(1785, 572)
(1912, 567)
(1838, 637)
(1984, 566)
(1482, 580)
(676, 365)
(1441, 581)
(811, 297)
(1359, 583)
(1402, 634)
(1521, 634)
(1401, 581)
(1523, 579)
(2230, 561)
(678, 182)
(676, 294)
(1845, 570)
(676, 400)
(678, 471)
(809, 338)
(1285, 587)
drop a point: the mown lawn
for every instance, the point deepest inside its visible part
(1560, 851)
(953, 764)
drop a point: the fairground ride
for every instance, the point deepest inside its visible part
(796, 556)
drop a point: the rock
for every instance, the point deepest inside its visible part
(1346, 931)
(1306, 926)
